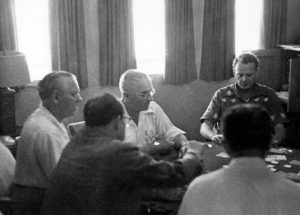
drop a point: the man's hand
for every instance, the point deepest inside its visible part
(192, 146)
(217, 138)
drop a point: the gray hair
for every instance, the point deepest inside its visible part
(129, 79)
(49, 83)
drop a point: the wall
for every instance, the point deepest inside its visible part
(293, 16)
(183, 104)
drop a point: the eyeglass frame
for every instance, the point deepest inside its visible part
(144, 95)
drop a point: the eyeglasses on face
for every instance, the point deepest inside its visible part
(145, 94)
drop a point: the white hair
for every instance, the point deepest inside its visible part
(130, 78)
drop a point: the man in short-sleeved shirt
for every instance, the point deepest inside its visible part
(146, 122)
(244, 90)
(247, 186)
(43, 139)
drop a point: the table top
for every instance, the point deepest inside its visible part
(282, 160)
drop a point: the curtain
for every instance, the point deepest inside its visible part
(68, 38)
(7, 25)
(116, 40)
(180, 49)
(218, 40)
(274, 23)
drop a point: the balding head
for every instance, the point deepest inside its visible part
(131, 79)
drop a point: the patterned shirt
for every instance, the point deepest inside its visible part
(229, 96)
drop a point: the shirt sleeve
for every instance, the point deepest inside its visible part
(213, 111)
(137, 169)
(48, 151)
(164, 126)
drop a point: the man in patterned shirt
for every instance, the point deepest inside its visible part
(244, 90)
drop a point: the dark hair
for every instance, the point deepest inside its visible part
(49, 83)
(246, 126)
(245, 58)
(101, 110)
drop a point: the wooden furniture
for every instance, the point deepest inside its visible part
(291, 62)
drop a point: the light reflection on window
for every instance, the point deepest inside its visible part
(32, 20)
(149, 35)
(247, 24)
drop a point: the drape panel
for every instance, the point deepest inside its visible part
(180, 49)
(68, 38)
(7, 25)
(274, 23)
(116, 40)
(218, 40)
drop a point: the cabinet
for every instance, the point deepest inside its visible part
(291, 58)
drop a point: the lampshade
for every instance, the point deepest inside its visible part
(13, 69)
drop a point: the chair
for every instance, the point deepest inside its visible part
(75, 127)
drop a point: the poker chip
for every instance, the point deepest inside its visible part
(156, 143)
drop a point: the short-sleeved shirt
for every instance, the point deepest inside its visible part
(229, 96)
(153, 124)
(42, 141)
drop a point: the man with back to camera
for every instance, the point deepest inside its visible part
(244, 90)
(43, 139)
(147, 125)
(98, 173)
(247, 186)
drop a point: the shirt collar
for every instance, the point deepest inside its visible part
(240, 95)
(150, 110)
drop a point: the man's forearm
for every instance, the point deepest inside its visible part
(206, 130)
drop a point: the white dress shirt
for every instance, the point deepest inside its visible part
(153, 124)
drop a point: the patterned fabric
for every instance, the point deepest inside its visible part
(230, 95)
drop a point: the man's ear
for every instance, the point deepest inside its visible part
(54, 96)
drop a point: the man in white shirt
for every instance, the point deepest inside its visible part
(247, 186)
(147, 125)
(7, 168)
(43, 139)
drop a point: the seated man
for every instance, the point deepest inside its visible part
(147, 125)
(244, 90)
(7, 169)
(247, 186)
(43, 139)
(98, 173)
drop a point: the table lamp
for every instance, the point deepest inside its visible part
(13, 73)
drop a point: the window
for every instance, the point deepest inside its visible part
(149, 35)
(32, 21)
(247, 25)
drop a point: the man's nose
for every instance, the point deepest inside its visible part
(149, 97)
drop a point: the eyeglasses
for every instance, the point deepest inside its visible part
(146, 94)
